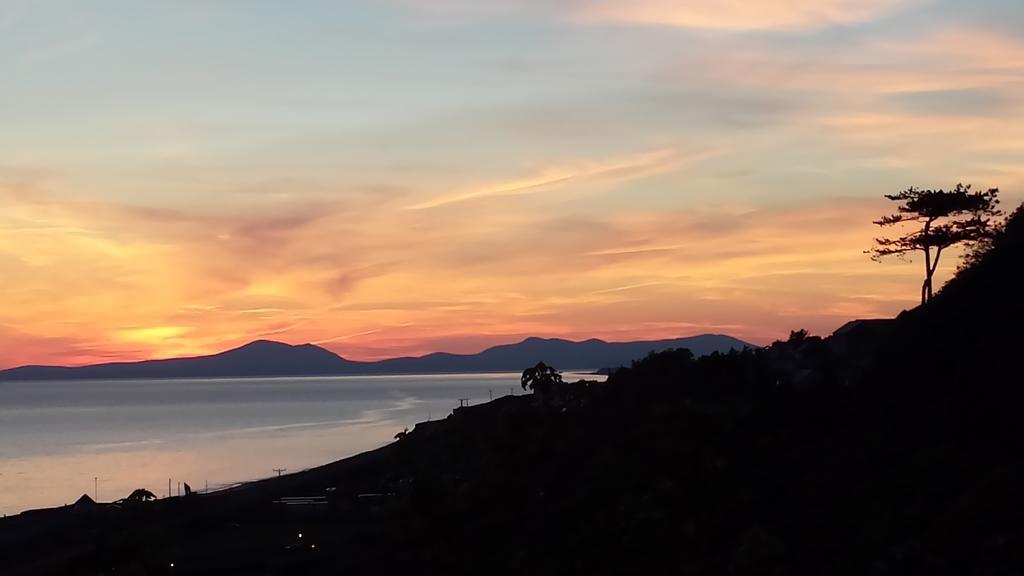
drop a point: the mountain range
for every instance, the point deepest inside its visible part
(264, 358)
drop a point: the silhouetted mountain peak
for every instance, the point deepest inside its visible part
(537, 340)
(272, 358)
(275, 347)
(255, 359)
(262, 346)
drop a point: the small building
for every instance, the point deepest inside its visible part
(84, 505)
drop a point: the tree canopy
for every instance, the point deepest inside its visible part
(946, 218)
(140, 495)
(541, 379)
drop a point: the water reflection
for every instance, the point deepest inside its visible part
(60, 436)
(58, 479)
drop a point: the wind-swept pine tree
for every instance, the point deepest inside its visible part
(946, 218)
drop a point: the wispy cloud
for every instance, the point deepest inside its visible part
(738, 14)
(627, 287)
(735, 15)
(278, 330)
(555, 177)
(948, 58)
(345, 337)
(938, 103)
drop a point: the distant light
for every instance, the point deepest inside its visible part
(172, 564)
(300, 534)
(312, 546)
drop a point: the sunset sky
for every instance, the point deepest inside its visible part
(396, 177)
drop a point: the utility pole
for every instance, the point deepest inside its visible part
(463, 402)
(168, 487)
(279, 470)
(96, 488)
(490, 394)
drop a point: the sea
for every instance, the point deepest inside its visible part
(105, 438)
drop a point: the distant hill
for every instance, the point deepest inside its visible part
(563, 354)
(259, 358)
(264, 358)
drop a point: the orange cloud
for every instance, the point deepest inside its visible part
(92, 281)
(733, 15)
(957, 58)
(738, 14)
(928, 109)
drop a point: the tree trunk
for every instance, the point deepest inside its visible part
(926, 287)
(931, 272)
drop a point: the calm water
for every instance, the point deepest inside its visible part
(56, 437)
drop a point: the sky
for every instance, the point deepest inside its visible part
(395, 177)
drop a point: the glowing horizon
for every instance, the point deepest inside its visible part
(402, 177)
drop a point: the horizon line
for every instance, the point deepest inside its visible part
(315, 344)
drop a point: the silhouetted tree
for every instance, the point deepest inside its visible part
(798, 337)
(140, 495)
(947, 218)
(542, 379)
